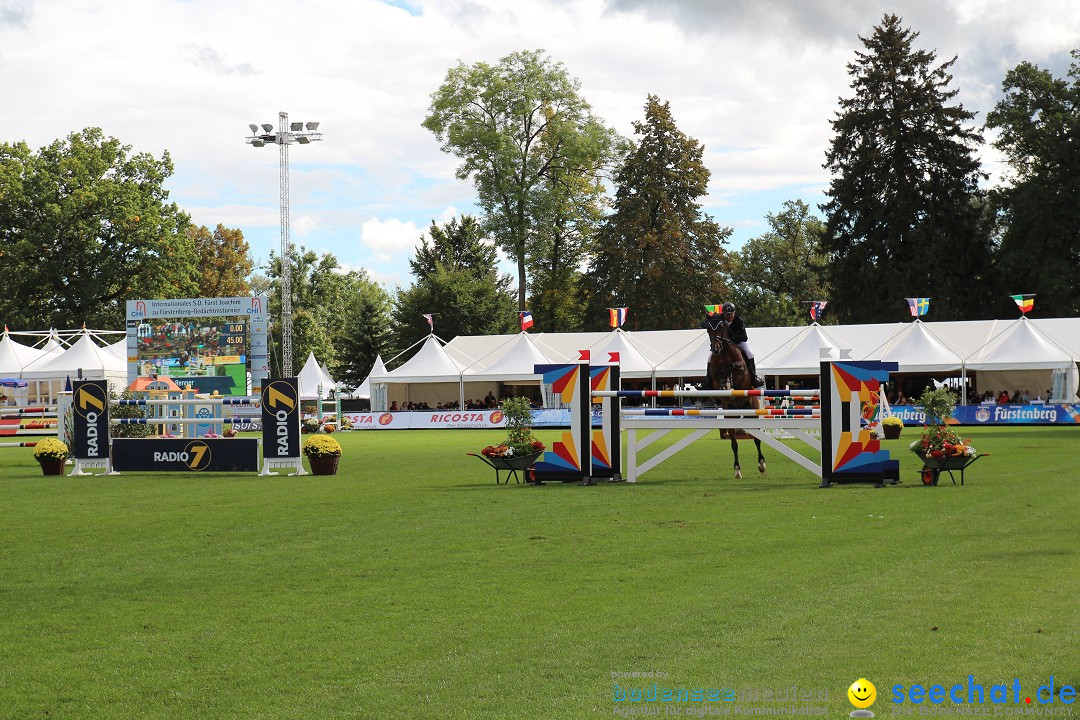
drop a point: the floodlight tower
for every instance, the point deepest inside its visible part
(287, 133)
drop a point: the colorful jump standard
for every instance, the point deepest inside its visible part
(849, 451)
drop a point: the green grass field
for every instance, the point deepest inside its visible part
(410, 586)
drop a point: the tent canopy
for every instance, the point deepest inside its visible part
(917, 349)
(311, 377)
(513, 365)
(431, 363)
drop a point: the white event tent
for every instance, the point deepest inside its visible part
(1018, 357)
(83, 360)
(314, 382)
(364, 391)
(1049, 350)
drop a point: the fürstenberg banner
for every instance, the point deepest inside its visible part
(1036, 414)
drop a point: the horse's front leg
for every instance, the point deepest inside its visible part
(760, 457)
(733, 434)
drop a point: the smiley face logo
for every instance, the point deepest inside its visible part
(862, 693)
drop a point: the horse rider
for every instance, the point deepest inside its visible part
(737, 332)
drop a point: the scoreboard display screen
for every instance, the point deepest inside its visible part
(190, 348)
(232, 338)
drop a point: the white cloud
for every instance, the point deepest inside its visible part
(389, 238)
(756, 82)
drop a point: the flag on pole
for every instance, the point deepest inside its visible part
(918, 306)
(618, 316)
(526, 320)
(429, 320)
(817, 307)
(1024, 302)
(713, 309)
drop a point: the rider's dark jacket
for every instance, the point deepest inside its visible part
(736, 329)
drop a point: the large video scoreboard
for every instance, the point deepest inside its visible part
(197, 336)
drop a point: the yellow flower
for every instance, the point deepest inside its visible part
(50, 449)
(321, 446)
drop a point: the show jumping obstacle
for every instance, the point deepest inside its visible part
(23, 421)
(848, 450)
(198, 418)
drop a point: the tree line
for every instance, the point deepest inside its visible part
(592, 220)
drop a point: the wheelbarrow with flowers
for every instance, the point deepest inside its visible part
(510, 458)
(939, 448)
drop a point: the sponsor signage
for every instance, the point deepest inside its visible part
(1035, 414)
(456, 419)
(281, 418)
(254, 307)
(181, 454)
(90, 401)
(473, 419)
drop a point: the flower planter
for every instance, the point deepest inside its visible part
(512, 465)
(892, 432)
(933, 467)
(324, 465)
(50, 466)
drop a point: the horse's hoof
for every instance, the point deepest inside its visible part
(761, 467)
(738, 474)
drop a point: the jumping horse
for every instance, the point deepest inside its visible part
(727, 369)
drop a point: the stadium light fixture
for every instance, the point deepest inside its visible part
(287, 134)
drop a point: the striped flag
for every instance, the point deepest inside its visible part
(526, 320)
(918, 306)
(1024, 302)
(618, 316)
(817, 307)
(430, 322)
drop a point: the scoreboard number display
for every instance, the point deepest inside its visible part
(233, 336)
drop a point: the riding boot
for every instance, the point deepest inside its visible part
(758, 382)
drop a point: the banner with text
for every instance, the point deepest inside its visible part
(90, 422)
(1036, 414)
(281, 418)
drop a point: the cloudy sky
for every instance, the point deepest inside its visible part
(755, 80)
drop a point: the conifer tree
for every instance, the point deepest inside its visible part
(658, 253)
(905, 216)
(1039, 120)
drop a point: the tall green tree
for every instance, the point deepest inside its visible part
(775, 274)
(317, 306)
(344, 318)
(658, 253)
(525, 136)
(555, 297)
(458, 283)
(223, 261)
(363, 330)
(84, 226)
(1039, 123)
(905, 216)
